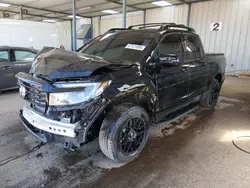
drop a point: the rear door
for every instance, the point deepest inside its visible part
(22, 59)
(198, 67)
(7, 75)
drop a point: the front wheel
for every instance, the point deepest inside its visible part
(211, 97)
(124, 132)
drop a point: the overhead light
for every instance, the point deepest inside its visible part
(110, 11)
(85, 8)
(51, 21)
(77, 17)
(161, 3)
(5, 5)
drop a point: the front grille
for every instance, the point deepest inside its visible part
(36, 97)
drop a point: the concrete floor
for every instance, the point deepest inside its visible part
(196, 151)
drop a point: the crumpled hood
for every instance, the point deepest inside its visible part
(57, 63)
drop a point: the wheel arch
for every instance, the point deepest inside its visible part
(141, 99)
(219, 78)
(144, 100)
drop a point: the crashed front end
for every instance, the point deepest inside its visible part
(64, 110)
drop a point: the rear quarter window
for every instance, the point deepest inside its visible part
(192, 49)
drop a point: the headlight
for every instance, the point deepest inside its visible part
(89, 91)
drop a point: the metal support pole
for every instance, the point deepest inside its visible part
(124, 10)
(99, 25)
(74, 24)
(189, 14)
(144, 17)
(92, 28)
(71, 34)
(21, 13)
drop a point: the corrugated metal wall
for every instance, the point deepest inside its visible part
(115, 21)
(234, 37)
(177, 14)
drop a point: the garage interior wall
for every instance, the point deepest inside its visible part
(115, 21)
(234, 37)
(176, 14)
(28, 33)
(64, 32)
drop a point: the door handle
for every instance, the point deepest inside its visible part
(6, 67)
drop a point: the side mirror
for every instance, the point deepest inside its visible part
(170, 59)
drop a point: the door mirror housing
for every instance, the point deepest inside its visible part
(169, 60)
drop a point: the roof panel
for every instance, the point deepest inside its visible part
(99, 13)
(138, 1)
(146, 6)
(79, 4)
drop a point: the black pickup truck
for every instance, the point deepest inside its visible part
(118, 85)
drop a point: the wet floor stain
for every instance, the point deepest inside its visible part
(52, 173)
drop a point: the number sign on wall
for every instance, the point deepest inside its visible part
(216, 26)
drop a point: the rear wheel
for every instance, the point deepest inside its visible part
(211, 97)
(124, 132)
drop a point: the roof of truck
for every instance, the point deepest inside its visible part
(159, 28)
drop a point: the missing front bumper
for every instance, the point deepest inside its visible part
(32, 119)
(47, 129)
(45, 137)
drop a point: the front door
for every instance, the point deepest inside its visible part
(7, 75)
(172, 80)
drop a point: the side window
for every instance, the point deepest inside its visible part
(192, 47)
(171, 45)
(22, 55)
(4, 55)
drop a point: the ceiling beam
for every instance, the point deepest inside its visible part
(183, 1)
(67, 10)
(36, 15)
(128, 5)
(99, 10)
(46, 10)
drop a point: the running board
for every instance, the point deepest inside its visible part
(177, 117)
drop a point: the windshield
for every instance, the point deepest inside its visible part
(122, 46)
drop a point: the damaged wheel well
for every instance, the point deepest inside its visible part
(139, 100)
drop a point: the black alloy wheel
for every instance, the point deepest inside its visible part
(215, 95)
(124, 132)
(210, 98)
(131, 135)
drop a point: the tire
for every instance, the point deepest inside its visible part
(121, 128)
(210, 98)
